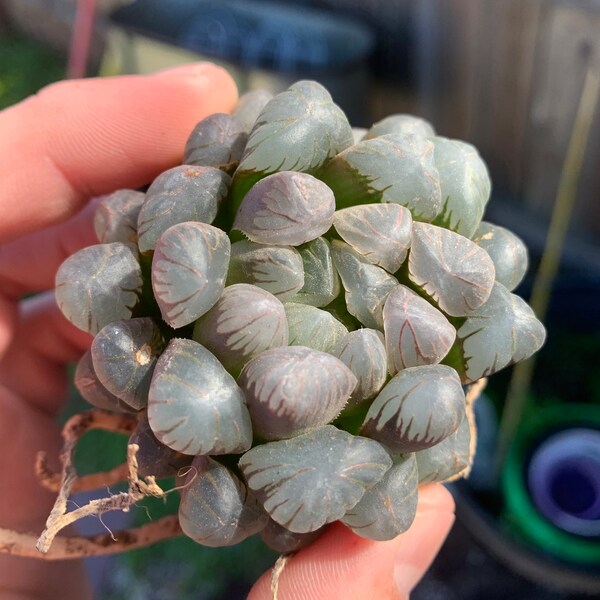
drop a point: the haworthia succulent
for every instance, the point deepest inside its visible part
(391, 168)
(454, 271)
(315, 478)
(249, 107)
(380, 232)
(153, 458)
(416, 333)
(298, 130)
(401, 124)
(363, 352)
(321, 281)
(276, 269)
(88, 385)
(506, 250)
(390, 506)
(216, 141)
(291, 390)
(189, 268)
(366, 285)
(312, 327)
(245, 321)
(417, 409)
(465, 185)
(124, 355)
(284, 541)
(116, 216)
(286, 208)
(110, 294)
(216, 508)
(195, 405)
(448, 458)
(184, 193)
(502, 331)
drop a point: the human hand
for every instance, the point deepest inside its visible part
(73, 141)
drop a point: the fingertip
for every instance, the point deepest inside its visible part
(343, 565)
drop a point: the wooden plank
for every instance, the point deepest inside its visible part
(567, 37)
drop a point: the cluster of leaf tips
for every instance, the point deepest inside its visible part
(294, 312)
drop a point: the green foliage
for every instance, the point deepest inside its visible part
(25, 67)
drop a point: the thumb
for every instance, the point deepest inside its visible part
(343, 566)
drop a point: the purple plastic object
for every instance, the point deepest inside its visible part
(564, 480)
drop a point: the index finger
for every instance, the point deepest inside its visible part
(83, 138)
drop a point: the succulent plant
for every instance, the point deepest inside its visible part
(295, 313)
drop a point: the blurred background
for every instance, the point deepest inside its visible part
(505, 75)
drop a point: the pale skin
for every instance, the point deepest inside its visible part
(70, 142)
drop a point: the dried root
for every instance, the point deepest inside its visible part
(50, 547)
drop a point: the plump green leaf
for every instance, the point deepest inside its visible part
(189, 268)
(390, 506)
(506, 250)
(284, 541)
(321, 281)
(312, 327)
(286, 209)
(392, 168)
(245, 321)
(88, 385)
(448, 458)
(314, 478)
(116, 217)
(124, 354)
(276, 269)
(249, 107)
(216, 508)
(195, 405)
(416, 333)
(298, 130)
(98, 285)
(454, 271)
(184, 193)
(216, 141)
(153, 458)
(502, 331)
(363, 352)
(293, 389)
(401, 124)
(417, 409)
(380, 232)
(465, 182)
(366, 285)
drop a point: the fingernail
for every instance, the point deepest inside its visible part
(418, 547)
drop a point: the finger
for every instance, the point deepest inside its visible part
(343, 566)
(29, 264)
(34, 363)
(79, 139)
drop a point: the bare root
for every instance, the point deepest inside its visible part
(74, 547)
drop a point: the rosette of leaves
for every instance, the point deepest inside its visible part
(298, 329)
